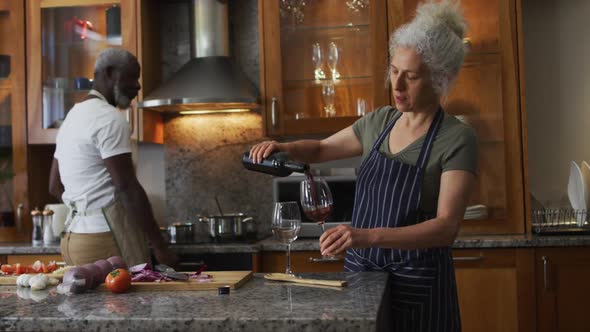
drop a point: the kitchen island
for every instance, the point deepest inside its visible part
(259, 305)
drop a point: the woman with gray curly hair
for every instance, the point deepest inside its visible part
(418, 169)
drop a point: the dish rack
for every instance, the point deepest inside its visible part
(560, 221)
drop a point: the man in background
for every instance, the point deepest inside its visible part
(93, 173)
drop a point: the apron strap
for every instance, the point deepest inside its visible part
(429, 140)
(385, 131)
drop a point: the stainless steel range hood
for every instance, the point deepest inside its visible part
(209, 81)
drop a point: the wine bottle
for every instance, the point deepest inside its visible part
(277, 164)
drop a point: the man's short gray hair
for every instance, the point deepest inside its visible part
(436, 33)
(113, 57)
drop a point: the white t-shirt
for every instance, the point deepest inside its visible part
(92, 131)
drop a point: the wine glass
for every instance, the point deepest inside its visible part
(332, 60)
(317, 203)
(316, 58)
(286, 223)
(328, 96)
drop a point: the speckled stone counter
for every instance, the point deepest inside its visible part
(260, 305)
(28, 249)
(463, 242)
(217, 248)
(271, 244)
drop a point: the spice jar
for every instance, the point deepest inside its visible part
(37, 217)
(48, 237)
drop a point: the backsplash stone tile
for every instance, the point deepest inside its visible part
(203, 160)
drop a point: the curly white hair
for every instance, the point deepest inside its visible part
(113, 57)
(436, 33)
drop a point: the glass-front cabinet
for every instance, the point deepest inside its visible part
(324, 63)
(13, 148)
(64, 38)
(486, 95)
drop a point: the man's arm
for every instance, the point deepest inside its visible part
(56, 188)
(135, 200)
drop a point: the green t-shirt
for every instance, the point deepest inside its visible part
(454, 148)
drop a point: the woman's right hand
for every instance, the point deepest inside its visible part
(264, 149)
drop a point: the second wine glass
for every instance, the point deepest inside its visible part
(286, 223)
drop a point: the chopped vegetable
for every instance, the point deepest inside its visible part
(7, 268)
(117, 262)
(38, 281)
(63, 269)
(76, 280)
(20, 269)
(105, 267)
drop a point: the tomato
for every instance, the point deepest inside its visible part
(37, 267)
(7, 268)
(20, 269)
(118, 281)
(52, 266)
(29, 269)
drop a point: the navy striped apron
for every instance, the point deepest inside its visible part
(423, 292)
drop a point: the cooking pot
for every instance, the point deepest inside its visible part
(181, 233)
(230, 226)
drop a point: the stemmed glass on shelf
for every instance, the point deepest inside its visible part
(332, 60)
(317, 203)
(286, 223)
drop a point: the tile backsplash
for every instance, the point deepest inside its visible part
(202, 155)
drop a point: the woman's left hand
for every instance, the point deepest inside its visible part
(336, 240)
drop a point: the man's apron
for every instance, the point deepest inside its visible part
(388, 192)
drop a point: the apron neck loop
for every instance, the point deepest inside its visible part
(97, 94)
(385, 132)
(427, 145)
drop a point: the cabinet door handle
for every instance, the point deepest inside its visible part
(468, 258)
(325, 260)
(273, 112)
(19, 218)
(545, 263)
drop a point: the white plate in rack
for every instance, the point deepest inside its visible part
(576, 192)
(585, 168)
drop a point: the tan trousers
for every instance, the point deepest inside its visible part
(80, 249)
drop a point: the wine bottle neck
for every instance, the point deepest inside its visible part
(297, 167)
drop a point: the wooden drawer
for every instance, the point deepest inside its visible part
(275, 261)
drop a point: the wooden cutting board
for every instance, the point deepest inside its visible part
(233, 279)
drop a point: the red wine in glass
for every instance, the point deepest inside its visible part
(316, 199)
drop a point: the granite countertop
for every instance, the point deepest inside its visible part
(462, 242)
(259, 305)
(305, 244)
(26, 248)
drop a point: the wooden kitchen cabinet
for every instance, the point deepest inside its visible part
(63, 39)
(496, 289)
(303, 94)
(486, 95)
(275, 261)
(563, 288)
(13, 147)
